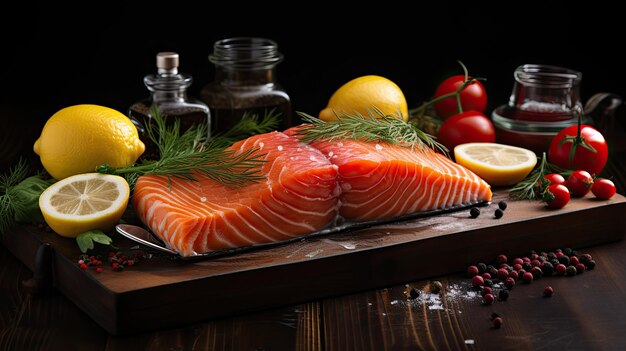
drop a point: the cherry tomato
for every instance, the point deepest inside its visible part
(555, 178)
(556, 196)
(473, 96)
(579, 183)
(603, 188)
(592, 162)
(466, 127)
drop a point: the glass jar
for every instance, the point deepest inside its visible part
(545, 99)
(168, 93)
(245, 82)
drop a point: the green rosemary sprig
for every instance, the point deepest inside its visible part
(185, 154)
(535, 183)
(375, 127)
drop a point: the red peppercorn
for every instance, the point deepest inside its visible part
(486, 290)
(472, 271)
(83, 266)
(115, 265)
(488, 299)
(518, 260)
(497, 322)
(527, 277)
(584, 258)
(536, 272)
(514, 275)
(580, 268)
(534, 256)
(111, 253)
(525, 259)
(99, 270)
(503, 274)
(560, 269)
(535, 263)
(517, 267)
(130, 263)
(486, 275)
(509, 283)
(548, 291)
(477, 281)
(559, 254)
(501, 259)
(573, 260)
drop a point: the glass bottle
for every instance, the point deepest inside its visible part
(245, 81)
(545, 99)
(168, 92)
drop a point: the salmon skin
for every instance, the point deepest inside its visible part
(299, 195)
(308, 188)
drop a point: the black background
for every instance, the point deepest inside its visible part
(54, 57)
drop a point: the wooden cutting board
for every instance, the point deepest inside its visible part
(163, 292)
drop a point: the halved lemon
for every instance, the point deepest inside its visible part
(497, 164)
(84, 202)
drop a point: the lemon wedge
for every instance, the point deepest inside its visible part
(84, 202)
(497, 164)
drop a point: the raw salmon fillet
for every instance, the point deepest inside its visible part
(382, 181)
(299, 196)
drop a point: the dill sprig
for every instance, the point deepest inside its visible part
(376, 127)
(19, 195)
(533, 186)
(183, 155)
(247, 126)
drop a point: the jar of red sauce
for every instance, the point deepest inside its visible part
(545, 99)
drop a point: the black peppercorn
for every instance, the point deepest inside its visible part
(414, 293)
(564, 260)
(474, 212)
(435, 287)
(489, 282)
(498, 214)
(536, 272)
(503, 295)
(551, 255)
(482, 267)
(568, 251)
(590, 265)
(547, 268)
(527, 266)
(502, 205)
(570, 271)
(584, 258)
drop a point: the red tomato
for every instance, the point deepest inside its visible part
(555, 178)
(592, 162)
(466, 127)
(473, 96)
(603, 188)
(579, 183)
(557, 196)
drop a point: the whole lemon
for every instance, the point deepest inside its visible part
(78, 138)
(361, 95)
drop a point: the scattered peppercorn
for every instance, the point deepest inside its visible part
(414, 293)
(570, 271)
(503, 274)
(536, 272)
(486, 275)
(503, 295)
(514, 275)
(488, 282)
(472, 271)
(494, 315)
(486, 290)
(509, 283)
(590, 265)
(99, 270)
(568, 251)
(527, 277)
(488, 299)
(502, 205)
(502, 259)
(477, 281)
(564, 260)
(527, 266)
(548, 291)
(560, 269)
(498, 213)
(83, 266)
(435, 287)
(580, 268)
(547, 268)
(497, 322)
(474, 212)
(584, 258)
(482, 267)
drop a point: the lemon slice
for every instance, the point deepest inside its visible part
(84, 202)
(497, 164)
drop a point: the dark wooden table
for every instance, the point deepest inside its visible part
(587, 312)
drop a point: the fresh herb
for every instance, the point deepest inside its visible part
(247, 126)
(19, 196)
(184, 155)
(532, 187)
(86, 240)
(376, 127)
